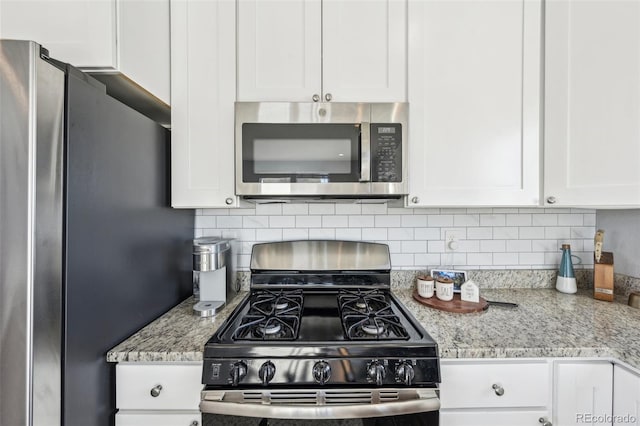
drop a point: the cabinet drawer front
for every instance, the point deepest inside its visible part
(493, 418)
(176, 387)
(192, 418)
(481, 385)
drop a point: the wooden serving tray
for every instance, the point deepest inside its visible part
(456, 305)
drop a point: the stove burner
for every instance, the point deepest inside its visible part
(272, 315)
(368, 315)
(372, 329)
(269, 329)
(280, 306)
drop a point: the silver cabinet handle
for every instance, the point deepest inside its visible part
(415, 200)
(194, 423)
(499, 390)
(328, 97)
(551, 200)
(544, 421)
(315, 97)
(228, 201)
(155, 391)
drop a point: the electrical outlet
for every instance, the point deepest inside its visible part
(452, 240)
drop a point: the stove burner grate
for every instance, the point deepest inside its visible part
(368, 315)
(272, 315)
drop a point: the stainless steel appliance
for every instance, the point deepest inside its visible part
(321, 150)
(89, 249)
(320, 336)
(214, 274)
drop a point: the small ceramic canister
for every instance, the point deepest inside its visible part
(444, 289)
(425, 285)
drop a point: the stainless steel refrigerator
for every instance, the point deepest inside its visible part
(90, 252)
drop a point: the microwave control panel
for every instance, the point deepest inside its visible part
(386, 152)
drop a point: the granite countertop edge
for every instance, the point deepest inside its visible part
(546, 324)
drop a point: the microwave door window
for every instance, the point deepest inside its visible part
(302, 157)
(301, 152)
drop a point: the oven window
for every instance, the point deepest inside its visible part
(431, 418)
(300, 152)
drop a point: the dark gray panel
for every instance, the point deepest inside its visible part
(128, 253)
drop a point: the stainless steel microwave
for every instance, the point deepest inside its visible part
(321, 150)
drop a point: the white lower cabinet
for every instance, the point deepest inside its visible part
(495, 392)
(583, 392)
(626, 397)
(493, 417)
(159, 394)
(190, 418)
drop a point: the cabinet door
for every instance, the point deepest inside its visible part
(364, 51)
(81, 32)
(492, 417)
(158, 418)
(582, 389)
(279, 50)
(474, 78)
(592, 103)
(202, 93)
(626, 397)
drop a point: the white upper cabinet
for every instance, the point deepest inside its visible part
(130, 37)
(203, 75)
(329, 50)
(592, 103)
(475, 90)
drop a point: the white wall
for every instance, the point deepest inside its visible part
(496, 238)
(622, 237)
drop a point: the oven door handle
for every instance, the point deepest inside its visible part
(217, 402)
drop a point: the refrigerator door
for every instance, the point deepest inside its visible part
(31, 147)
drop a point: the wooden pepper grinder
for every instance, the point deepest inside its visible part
(602, 270)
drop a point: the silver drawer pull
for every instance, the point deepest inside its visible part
(155, 391)
(544, 422)
(194, 423)
(499, 390)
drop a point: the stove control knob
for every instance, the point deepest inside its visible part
(376, 372)
(321, 372)
(238, 371)
(405, 373)
(266, 372)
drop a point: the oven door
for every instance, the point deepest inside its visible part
(351, 407)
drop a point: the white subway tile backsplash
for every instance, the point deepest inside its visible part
(361, 221)
(387, 221)
(506, 232)
(531, 232)
(295, 234)
(226, 222)
(427, 234)
(322, 234)
(493, 220)
(295, 209)
(440, 220)
(335, 221)
(348, 234)
(322, 209)
(255, 221)
(480, 233)
(308, 221)
(498, 238)
(400, 234)
(374, 234)
(416, 220)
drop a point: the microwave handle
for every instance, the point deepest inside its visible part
(365, 152)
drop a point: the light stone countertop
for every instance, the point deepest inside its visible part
(546, 324)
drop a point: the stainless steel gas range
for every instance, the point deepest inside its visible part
(320, 336)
